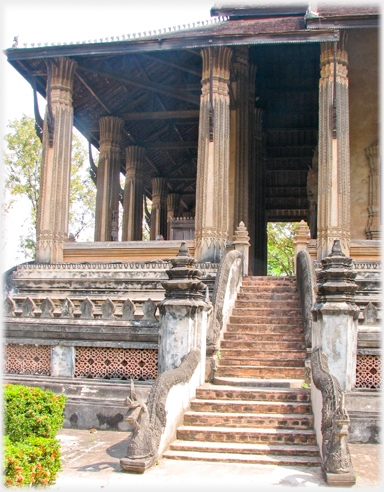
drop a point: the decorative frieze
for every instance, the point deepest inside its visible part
(53, 207)
(334, 160)
(117, 363)
(212, 193)
(159, 208)
(133, 194)
(374, 220)
(27, 359)
(108, 176)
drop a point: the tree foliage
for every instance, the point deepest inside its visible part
(281, 256)
(22, 161)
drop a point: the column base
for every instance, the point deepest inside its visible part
(140, 465)
(339, 479)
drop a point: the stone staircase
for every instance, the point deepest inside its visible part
(256, 410)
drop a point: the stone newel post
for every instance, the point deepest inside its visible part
(183, 314)
(335, 315)
(241, 244)
(301, 239)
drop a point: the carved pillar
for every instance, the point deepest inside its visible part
(211, 221)
(335, 316)
(241, 95)
(173, 210)
(334, 164)
(133, 194)
(257, 213)
(53, 208)
(108, 176)
(374, 223)
(159, 208)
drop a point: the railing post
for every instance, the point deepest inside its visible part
(335, 316)
(301, 240)
(241, 244)
(183, 314)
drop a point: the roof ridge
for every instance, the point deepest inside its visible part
(132, 36)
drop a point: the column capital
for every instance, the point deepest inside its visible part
(111, 128)
(222, 56)
(159, 187)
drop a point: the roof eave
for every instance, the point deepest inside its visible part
(164, 44)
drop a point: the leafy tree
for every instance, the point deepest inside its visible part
(22, 174)
(281, 255)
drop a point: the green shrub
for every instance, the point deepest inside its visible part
(34, 461)
(31, 412)
(31, 454)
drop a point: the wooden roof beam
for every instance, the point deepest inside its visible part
(146, 85)
(162, 115)
(173, 65)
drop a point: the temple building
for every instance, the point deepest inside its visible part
(262, 114)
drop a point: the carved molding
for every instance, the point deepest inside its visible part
(335, 420)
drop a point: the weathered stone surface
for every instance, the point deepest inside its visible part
(62, 361)
(28, 307)
(67, 309)
(87, 309)
(149, 310)
(128, 311)
(9, 307)
(108, 309)
(47, 307)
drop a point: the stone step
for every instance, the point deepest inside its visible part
(231, 360)
(211, 392)
(260, 328)
(256, 302)
(261, 372)
(258, 435)
(280, 312)
(266, 320)
(248, 294)
(265, 354)
(236, 420)
(258, 382)
(232, 457)
(267, 289)
(265, 336)
(251, 407)
(263, 345)
(246, 449)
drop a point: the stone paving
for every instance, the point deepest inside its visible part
(91, 460)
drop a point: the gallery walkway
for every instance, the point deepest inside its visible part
(91, 460)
